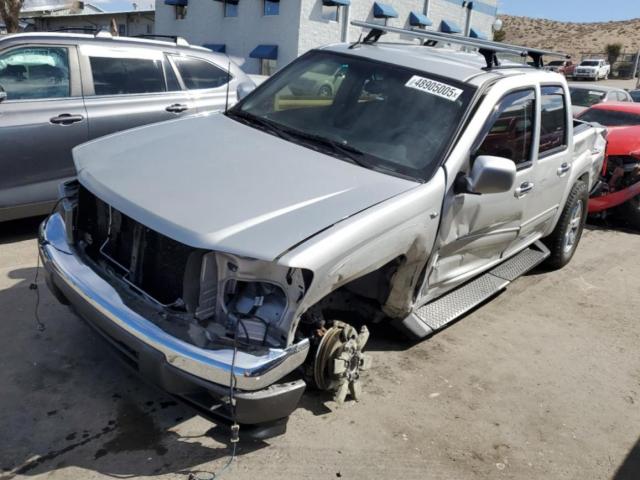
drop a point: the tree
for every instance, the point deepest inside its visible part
(613, 52)
(10, 14)
(499, 35)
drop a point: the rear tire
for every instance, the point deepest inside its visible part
(564, 239)
(630, 212)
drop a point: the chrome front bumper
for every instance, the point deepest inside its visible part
(97, 301)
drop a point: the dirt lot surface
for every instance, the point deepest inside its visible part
(541, 383)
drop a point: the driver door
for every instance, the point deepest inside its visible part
(477, 229)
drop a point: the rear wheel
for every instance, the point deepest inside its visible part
(564, 239)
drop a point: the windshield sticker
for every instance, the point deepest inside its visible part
(434, 88)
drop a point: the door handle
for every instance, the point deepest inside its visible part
(564, 168)
(523, 189)
(177, 108)
(66, 119)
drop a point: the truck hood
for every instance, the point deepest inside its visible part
(211, 182)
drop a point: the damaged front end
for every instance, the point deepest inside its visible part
(192, 321)
(619, 184)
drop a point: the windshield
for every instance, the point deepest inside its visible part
(611, 118)
(590, 63)
(584, 97)
(380, 116)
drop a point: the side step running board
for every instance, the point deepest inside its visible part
(439, 313)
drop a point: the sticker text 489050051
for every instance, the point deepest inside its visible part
(434, 88)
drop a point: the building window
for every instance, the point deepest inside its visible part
(231, 8)
(268, 66)
(330, 13)
(122, 30)
(271, 7)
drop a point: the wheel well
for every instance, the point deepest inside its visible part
(584, 178)
(362, 297)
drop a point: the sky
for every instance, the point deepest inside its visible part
(573, 10)
(563, 10)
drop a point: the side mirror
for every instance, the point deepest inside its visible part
(3, 94)
(491, 175)
(245, 89)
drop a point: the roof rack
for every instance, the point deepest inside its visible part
(103, 34)
(76, 29)
(486, 48)
(177, 40)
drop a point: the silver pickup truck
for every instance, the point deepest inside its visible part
(221, 254)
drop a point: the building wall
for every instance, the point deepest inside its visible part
(301, 25)
(205, 23)
(133, 23)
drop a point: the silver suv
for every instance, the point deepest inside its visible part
(60, 90)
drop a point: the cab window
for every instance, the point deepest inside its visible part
(509, 133)
(553, 124)
(35, 73)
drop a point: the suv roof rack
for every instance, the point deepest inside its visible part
(76, 29)
(487, 48)
(177, 40)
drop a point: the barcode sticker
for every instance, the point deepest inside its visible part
(434, 88)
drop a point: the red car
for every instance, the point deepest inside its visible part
(620, 183)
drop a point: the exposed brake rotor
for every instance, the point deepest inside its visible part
(339, 360)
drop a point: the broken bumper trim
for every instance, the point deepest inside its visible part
(101, 305)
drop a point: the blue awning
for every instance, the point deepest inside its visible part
(418, 19)
(336, 3)
(447, 26)
(216, 47)
(269, 52)
(384, 10)
(477, 34)
(177, 3)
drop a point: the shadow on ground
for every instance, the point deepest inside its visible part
(18, 230)
(630, 468)
(67, 401)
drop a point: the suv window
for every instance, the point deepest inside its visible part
(510, 133)
(35, 73)
(198, 74)
(622, 97)
(553, 126)
(121, 76)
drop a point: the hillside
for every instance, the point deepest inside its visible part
(572, 38)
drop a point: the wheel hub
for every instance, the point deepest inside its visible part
(340, 361)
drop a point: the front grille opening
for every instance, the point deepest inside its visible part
(148, 261)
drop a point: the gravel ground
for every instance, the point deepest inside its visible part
(541, 383)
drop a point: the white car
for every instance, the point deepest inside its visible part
(593, 69)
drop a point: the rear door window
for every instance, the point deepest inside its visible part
(122, 76)
(33, 73)
(199, 74)
(509, 133)
(553, 123)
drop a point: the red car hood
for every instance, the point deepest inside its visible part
(623, 140)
